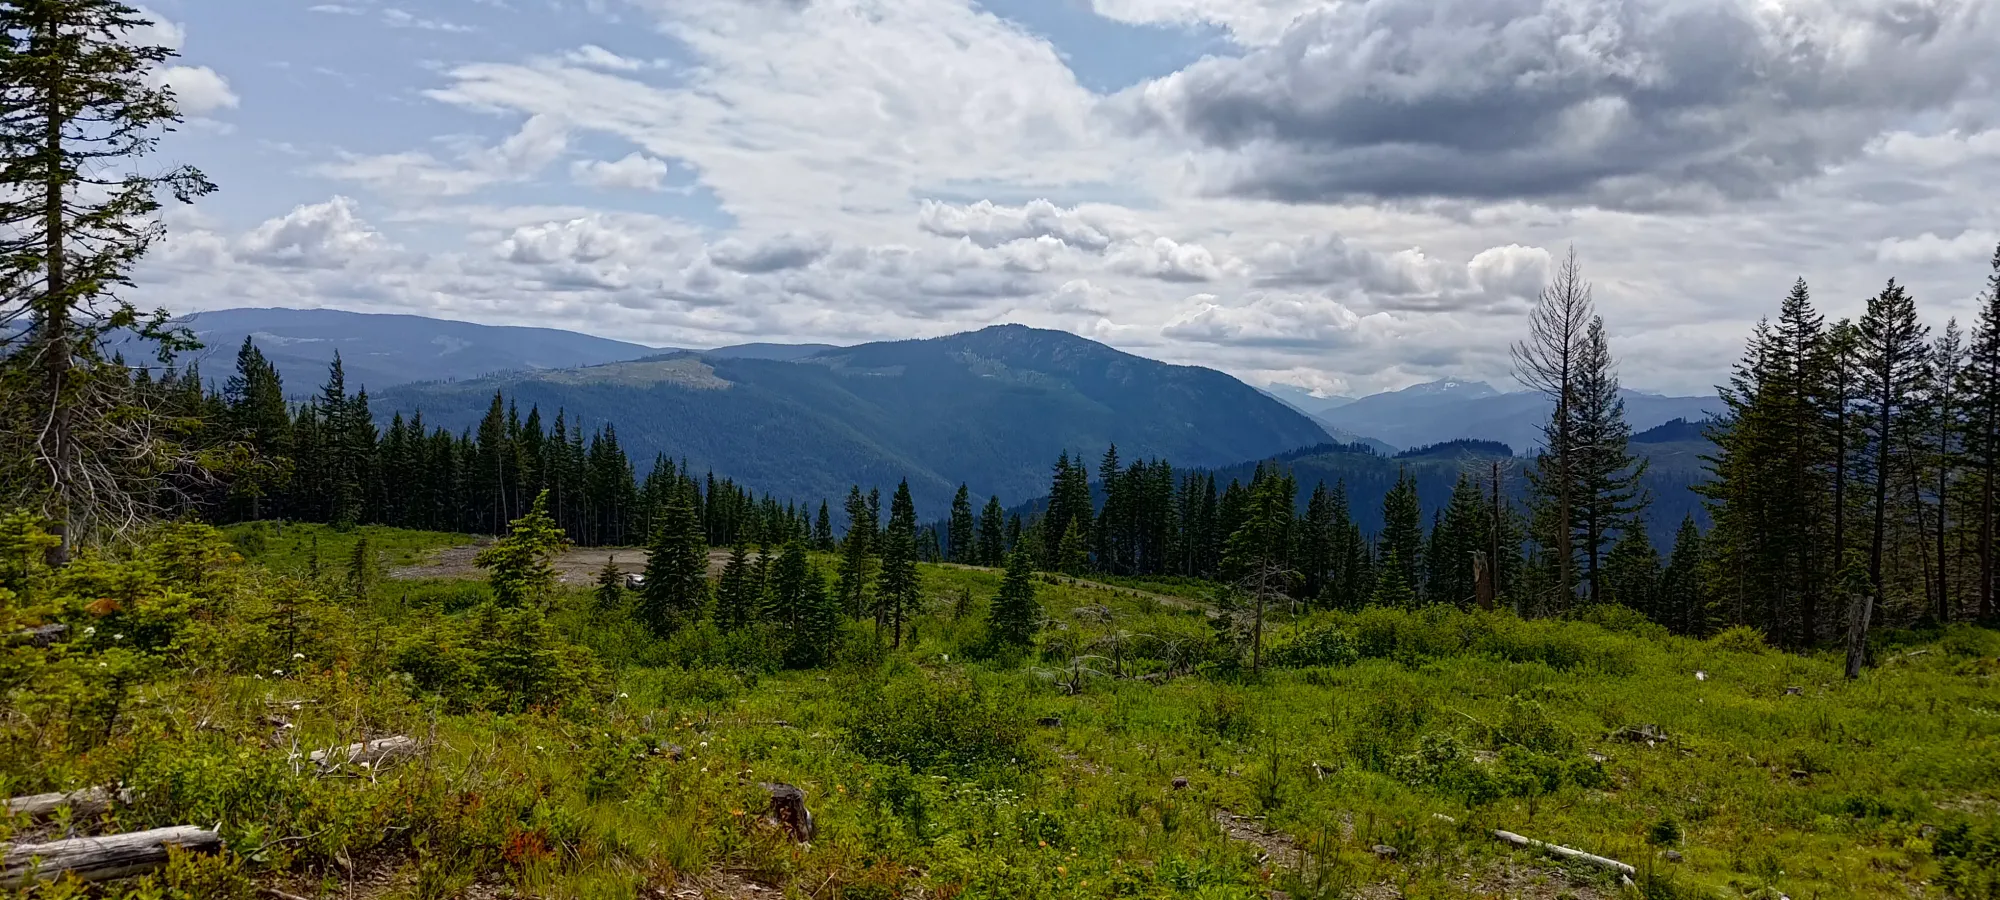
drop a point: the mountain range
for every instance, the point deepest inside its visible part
(991, 408)
(1457, 409)
(379, 351)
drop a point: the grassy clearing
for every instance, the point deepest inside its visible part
(938, 770)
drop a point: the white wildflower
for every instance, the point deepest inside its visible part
(298, 656)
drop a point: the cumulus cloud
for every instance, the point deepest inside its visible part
(581, 240)
(197, 89)
(1280, 318)
(633, 172)
(326, 235)
(1630, 103)
(1169, 260)
(989, 224)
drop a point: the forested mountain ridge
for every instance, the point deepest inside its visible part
(382, 350)
(989, 407)
(1452, 409)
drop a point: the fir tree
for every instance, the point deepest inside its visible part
(959, 539)
(1892, 362)
(1071, 557)
(83, 105)
(1632, 573)
(1606, 495)
(521, 566)
(1681, 603)
(993, 530)
(1255, 553)
(1015, 615)
(1980, 399)
(1549, 362)
(1459, 534)
(736, 602)
(896, 586)
(676, 586)
(610, 593)
(361, 569)
(856, 548)
(1402, 544)
(823, 530)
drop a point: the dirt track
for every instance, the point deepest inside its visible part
(574, 567)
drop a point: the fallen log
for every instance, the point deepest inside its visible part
(1565, 852)
(85, 802)
(101, 858)
(370, 753)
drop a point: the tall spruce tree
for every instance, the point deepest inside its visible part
(1458, 535)
(1015, 616)
(1607, 497)
(896, 587)
(1680, 602)
(521, 566)
(992, 533)
(1942, 421)
(1397, 575)
(1632, 573)
(857, 547)
(1256, 553)
(737, 602)
(960, 533)
(676, 588)
(1893, 362)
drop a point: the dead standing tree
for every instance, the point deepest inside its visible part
(1549, 361)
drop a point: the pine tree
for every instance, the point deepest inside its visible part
(1402, 544)
(1893, 363)
(521, 566)
(1255, 553)
(258, 417)
(896, 587)
(1459, 533)
(960, 538)
(993, 531)
(1015, 615)
(83, 106)
(1316, 544)
(676, 587)
(361, 569)
(823, 530)
(1941, 421)
(736, 602)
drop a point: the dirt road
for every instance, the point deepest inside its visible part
(578, 566)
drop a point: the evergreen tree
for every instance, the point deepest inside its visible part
(1316, 544)
(1632, 573)
(1980, 399)
(1402, 544)
(1681, 602)
(1459, 533)
(521, 566)
(84, 103)
(856, 548)
(736, 600)
(993, 530)
(1255, 553)
(1015, 615)
(1071, 558)
(1892, 363)
(1941, 421)
(1606, 496)
(361, 569)
(676, 587)
(1549, 361)
(896, 586)
(823, 530)
(257, 416)
(610, 593)
(960, 540)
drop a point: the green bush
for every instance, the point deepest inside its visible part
(936, 723)
(1322, 645)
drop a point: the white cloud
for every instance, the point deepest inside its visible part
(326, 235)
(540, 141)
(197, 89)
(597, 57)
(633, 172)
(1169, 260)
(1926, 248)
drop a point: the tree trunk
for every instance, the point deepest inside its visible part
(1482, 580)
(83, 804)
(101, 858)
(1862, 609)
(369, 753)
(1566, 853)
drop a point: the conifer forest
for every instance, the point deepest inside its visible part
(265, 640)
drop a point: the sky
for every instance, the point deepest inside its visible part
(1344, 195)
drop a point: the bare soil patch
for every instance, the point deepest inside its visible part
(578, 566)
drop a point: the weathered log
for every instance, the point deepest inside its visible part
(788, 806)
(1565, 852)
(41, 635)
(85, 802)
(371, 753)
(101, 858)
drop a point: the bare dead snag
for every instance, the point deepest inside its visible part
(86, 802)
(1566, 853)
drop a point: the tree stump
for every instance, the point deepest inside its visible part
(101, 858)
(788, 807)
